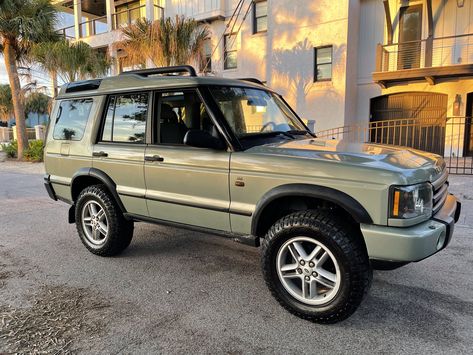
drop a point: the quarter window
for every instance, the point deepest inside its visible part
(260, 16)
(125, 120)
(323, 63)
(72, 119)
(230, 51)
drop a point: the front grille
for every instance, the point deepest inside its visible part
(440, 191)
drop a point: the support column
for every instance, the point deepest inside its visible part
(150, 10)
(77, 18)
(89, 27)
(115, 67)
(110, 10)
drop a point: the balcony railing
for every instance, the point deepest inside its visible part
(99, 25)
(426, 53)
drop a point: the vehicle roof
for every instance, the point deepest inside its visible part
(133, 82)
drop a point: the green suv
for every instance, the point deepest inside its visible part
(230, 157)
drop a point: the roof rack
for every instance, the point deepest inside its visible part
(83, 85)
(252, 80)
(164, 70)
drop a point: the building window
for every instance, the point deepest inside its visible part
(206, 64)
(230, 51)
(260, 16)
(323, 63)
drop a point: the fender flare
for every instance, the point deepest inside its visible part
(345, 201)
(104, 178)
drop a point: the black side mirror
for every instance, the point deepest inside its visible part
(203, 139)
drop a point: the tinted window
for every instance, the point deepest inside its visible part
(72, 119)
(125, 120)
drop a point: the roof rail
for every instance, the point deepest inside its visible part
(252, 80)
(83, 85)
(164, 70)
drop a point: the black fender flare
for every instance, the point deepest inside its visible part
(102, 177)
(345, 201)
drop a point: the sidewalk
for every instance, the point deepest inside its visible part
(13, 166)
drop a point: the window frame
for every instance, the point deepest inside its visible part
(316, 64)
(59, 111)
(157, 99)
(225, 51)
(103, 118)
(256, 18)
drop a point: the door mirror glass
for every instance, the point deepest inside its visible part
(203, 139)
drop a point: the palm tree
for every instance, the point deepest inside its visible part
(6, 105)
(22, 23)
(69, 61)
(164, 42)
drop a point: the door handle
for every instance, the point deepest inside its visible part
(100, 154)
(153, 158)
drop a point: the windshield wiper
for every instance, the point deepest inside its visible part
(300, 132)
(284, 133)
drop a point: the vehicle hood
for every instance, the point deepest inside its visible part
(414, 164)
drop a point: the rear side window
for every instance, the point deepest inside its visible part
(125, 119)
(72, 119)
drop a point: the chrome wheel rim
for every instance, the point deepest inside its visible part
(94, 223)
(308, 270)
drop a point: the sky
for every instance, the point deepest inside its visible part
(64, 20)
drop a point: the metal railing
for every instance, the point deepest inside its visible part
(99, 25)
(426, 53)
(452, 137)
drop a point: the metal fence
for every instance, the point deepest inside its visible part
(452, 138)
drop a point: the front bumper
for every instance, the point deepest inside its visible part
(414, 243)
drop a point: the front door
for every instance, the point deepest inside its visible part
(120, 149)
(410, 35)
(185, 184)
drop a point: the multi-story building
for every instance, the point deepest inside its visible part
(340, 63)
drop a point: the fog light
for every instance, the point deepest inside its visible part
(441, 240)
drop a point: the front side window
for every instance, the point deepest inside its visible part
(323, 63)
(260, 16)
(179, 112)
(71, 119)
(230, 51)
(125, 119)
(254, 112)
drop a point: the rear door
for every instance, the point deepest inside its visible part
(120, 147)
(185, 184)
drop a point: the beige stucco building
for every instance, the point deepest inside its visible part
(340, 63)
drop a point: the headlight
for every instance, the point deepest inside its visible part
(411, 201)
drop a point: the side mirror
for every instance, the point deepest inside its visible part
(203, 139)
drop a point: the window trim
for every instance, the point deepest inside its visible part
(59, 111)
(255, 18)
(225, 51)
(316, 64)
(104, 116)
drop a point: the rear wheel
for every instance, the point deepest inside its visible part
(316, 266)
(100, 223)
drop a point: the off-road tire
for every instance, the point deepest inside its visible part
(345, 243)
(120, 230)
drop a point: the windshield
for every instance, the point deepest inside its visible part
(255, 112)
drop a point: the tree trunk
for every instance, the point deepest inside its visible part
(17, 97)
(53, 75)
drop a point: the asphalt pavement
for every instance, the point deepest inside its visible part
(176, 291)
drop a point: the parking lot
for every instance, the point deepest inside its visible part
(178, 291)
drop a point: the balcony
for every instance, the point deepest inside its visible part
(203, 11)
(99, 25)
(428, 59)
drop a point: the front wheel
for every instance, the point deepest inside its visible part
(316, 266)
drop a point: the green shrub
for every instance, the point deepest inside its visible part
(11, 149)
(34, 151)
